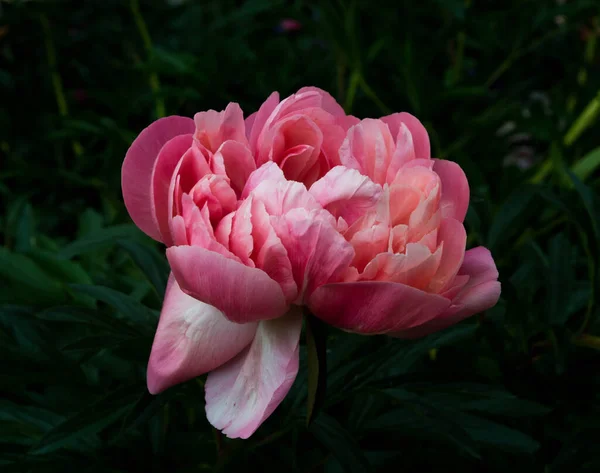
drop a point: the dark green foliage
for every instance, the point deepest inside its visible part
(516, 388)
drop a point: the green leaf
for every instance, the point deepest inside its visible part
(560, 279)
(91, 420)
(26, 277)
(583, 121)
(507, 219)
(101, 239)
(587, 165)
(340, 443)
(130, 308)
(316, 346)
(150, 261)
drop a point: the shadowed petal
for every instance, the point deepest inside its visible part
(138, 168)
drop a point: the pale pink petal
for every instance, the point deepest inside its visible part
(454, 202)
(214, 128)
(242, 293)
(404, 152)
(372, 307)
(267, 172)
(368, 147)
(347, 122)
(480, 293)
(241, 394)
(280, 197)
(192, 338)
(241, 242)
(453, 236)
(317, 252)
(138, 168)
(418, 132)
(346, 193)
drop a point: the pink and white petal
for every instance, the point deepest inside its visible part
(192, 338)
(267, 172)
(138, 168)
(373, 307)
(242, 293)
(243, 393)
(346, 193)
(454, 201)
(317, 252)
(417, 130)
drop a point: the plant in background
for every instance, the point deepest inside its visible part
(298, 205)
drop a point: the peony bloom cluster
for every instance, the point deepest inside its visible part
(297, 205)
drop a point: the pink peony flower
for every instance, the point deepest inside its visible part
(297, 205)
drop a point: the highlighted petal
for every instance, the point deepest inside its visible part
(243, 393)
(242, 293)
(192, 338)
(138, 168)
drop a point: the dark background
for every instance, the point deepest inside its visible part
(508, 89)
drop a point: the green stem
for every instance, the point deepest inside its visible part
(145, 36)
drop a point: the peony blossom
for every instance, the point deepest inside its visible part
(297, 205)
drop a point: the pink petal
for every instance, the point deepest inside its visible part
(346, 193)
(455, 189)
(256, 122)
(168, 159)
(372, 307)
(417, 130)
(267, 172)
(317, 252)
(192, 338)
(481, 292)
(328, 103)
(404, 152)
(214, 128)
(453, 236)
(242, 293)
(368, 147)
(235, 160)
(243, 393)
(138, 167)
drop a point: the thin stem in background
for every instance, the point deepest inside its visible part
(145, 35)
(63, 108)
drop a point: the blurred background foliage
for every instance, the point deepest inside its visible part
(510, 89)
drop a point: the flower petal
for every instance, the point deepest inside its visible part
(243, 393)
(192, 338)
(138, 168)
(454, 202)
(372, 307)
(419, 134)
(256, 122)
(453, 236)
(242, 293)
(481, 292)
(316, 250)
(346, 193)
